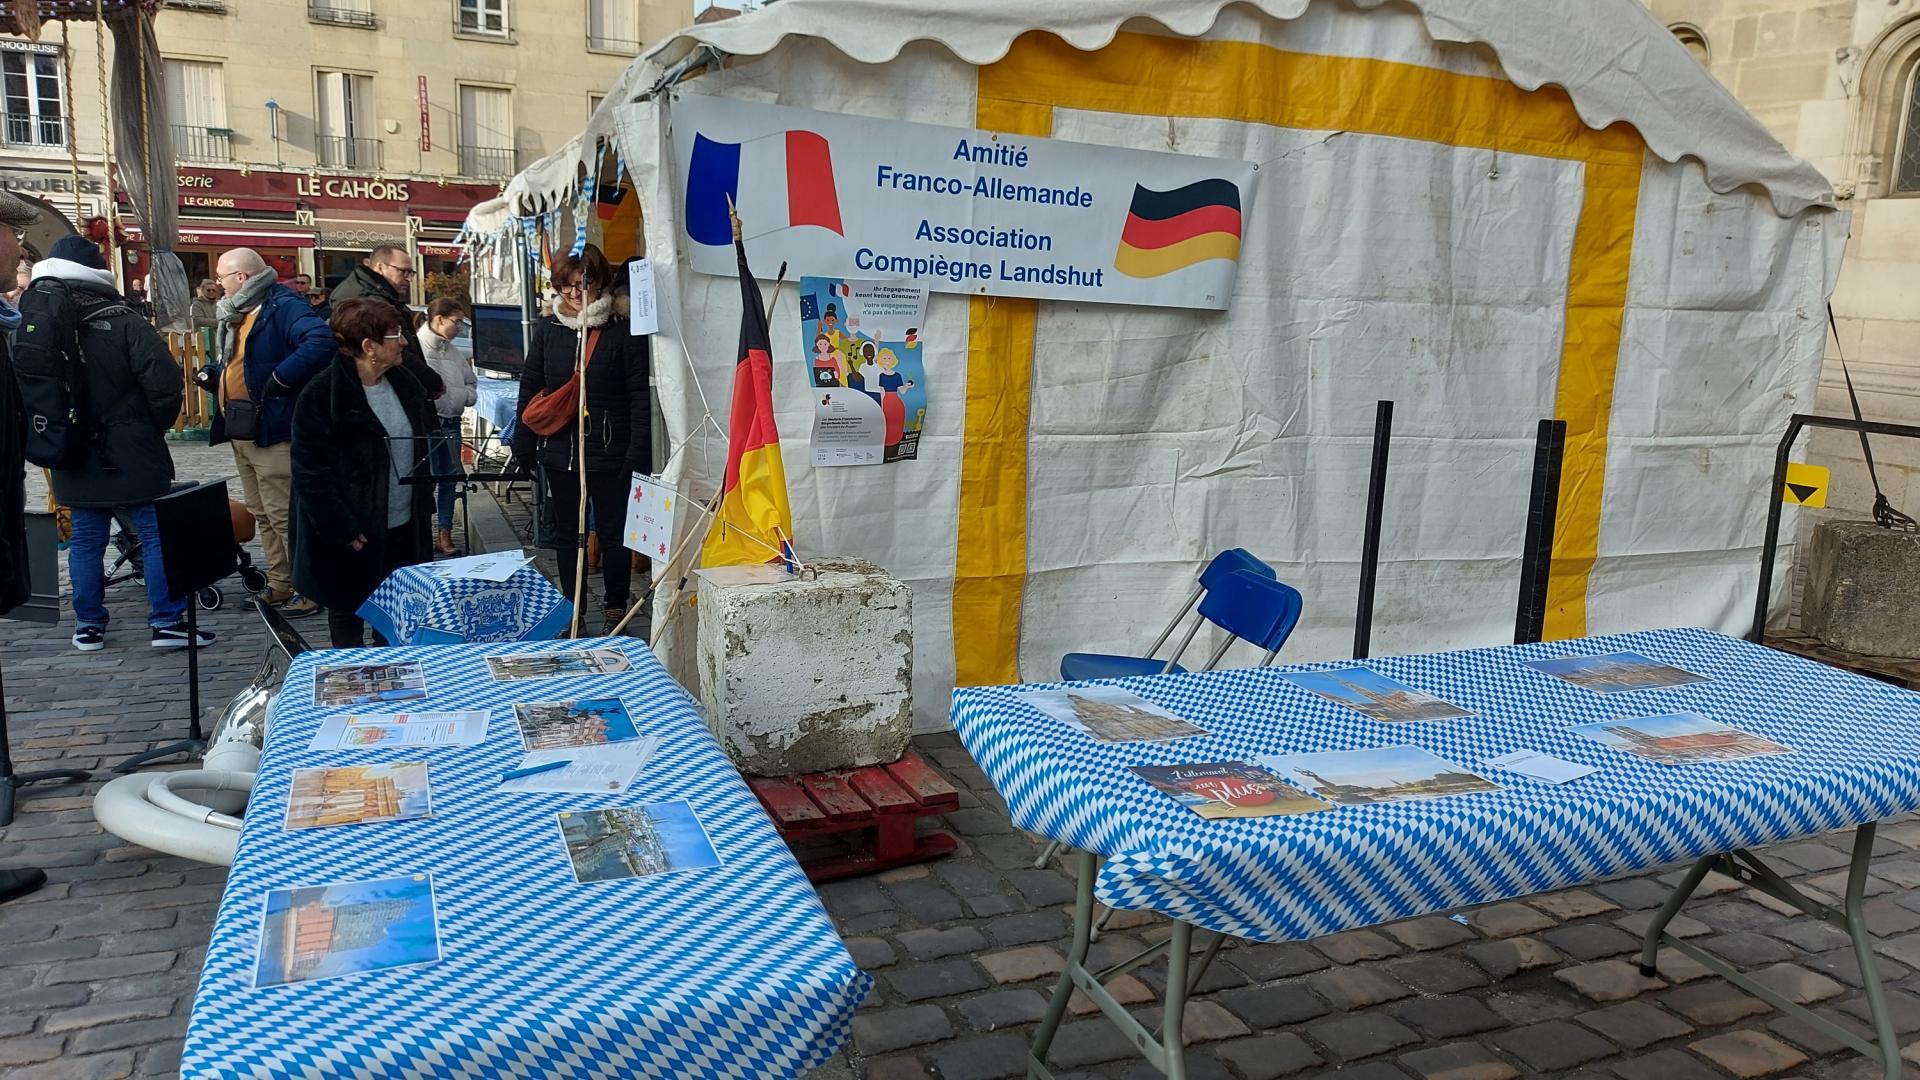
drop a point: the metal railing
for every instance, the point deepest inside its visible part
(489, 161)
(25, 129)
(602, 43)
(338, 14)
(192, 142)
(347, 152)
(217, 6)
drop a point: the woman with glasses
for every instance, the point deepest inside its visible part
(355, 430)
(454, 364)
(618, 426)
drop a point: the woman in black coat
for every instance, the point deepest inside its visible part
(354, 425)
(619, 419)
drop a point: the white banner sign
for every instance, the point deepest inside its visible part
(965, 211)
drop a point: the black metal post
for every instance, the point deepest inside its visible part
(1543, 508)
(1370, 546)
(10, 780)
(196, 740)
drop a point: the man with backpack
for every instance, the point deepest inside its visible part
(101, 390)
(271, 343)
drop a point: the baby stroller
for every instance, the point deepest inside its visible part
(129, 564)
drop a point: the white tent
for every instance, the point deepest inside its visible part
(1489, 211)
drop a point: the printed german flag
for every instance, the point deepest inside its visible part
(753, 519)
(1168, 230)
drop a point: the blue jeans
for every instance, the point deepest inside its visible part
(443, 457)
(86, 565)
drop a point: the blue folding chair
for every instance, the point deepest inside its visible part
(1256, 609)
(1078, 666)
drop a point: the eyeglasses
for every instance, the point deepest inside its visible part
(395, 336)
(19, 235)
(576, 287)
(405, 271)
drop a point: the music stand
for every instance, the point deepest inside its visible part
(43, 570)
(197, 549)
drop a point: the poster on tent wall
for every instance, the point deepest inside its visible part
(965, 211)
(862, 343)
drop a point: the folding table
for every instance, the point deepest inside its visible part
(728, 971)
(1855, 760)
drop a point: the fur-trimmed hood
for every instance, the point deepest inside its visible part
(595, 314)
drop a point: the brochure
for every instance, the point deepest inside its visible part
(1542, 767)
(1383, 774)
(1680, 739)
(1229, 789)
(358, 795)
(1615, 673)
(1366, 691)
(635, 841)
(496, 566)
(367, 731)
(553, 665)
(594, 770)
(1110, 714)
(368, 684)
(326, 931)
(548, 725)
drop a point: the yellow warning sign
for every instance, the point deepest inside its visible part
(1806, 484)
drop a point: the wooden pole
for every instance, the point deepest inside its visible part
(580, 467)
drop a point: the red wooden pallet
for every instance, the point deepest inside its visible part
(881, 802)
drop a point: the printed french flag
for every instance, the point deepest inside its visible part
(777, 181)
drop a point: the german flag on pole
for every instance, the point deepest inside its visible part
(753, 519)
(1169, 230)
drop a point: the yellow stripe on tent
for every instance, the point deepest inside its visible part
(743, 523)
(1209, 80)
(1152, 262)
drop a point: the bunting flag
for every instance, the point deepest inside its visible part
(753, 521)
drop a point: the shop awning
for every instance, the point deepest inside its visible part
(222, 237)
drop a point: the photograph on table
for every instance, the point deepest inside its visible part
(370, 731)
(1368, 692)
(549, 725)
(1383, 774)
(553, 665)
(635, 841)
(368, 684)
(327, 931)
(1228, 789)
(1681, 739)
(358, 795)
(1110, 714)
(1615, 673)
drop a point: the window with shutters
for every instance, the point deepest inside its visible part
(343, 127)
(36, 113)
(197, 110)
(614, 26)
(484, 18)
(486, 132)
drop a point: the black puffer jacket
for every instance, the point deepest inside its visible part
(363, 282)
(619, 402)
(341, 464)
(134, 390)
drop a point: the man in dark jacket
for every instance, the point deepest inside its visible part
(271, 344)
(387, 274)
(134, 391)
(15, 585)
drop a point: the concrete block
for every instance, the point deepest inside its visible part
(807, 675)
(1863, 588)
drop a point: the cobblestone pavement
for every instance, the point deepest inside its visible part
(97, 970)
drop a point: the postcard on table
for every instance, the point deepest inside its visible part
(1228, 789)
(358, 795)
(635, 841)
(496, 567)
(548, 725)
(1542, 767)
(553, 665)
(1366, 691)
(368, 731)
(1110, 714)
(326, 931)
(592, 770)
(1383, 774)
(368, 684)
(1681, 739)
(1614, 673)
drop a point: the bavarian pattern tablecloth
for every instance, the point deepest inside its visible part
(733, 971)
(1856, 758)
(420, 605)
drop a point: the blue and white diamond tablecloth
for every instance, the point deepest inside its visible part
(496, 401)
(421, 605)
(1856, 758)
(733, 971)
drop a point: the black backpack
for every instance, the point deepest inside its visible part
(51, 369)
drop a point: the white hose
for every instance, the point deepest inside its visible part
(143, 809)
